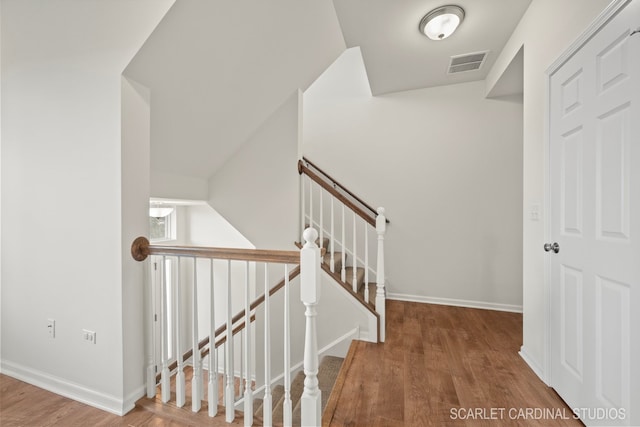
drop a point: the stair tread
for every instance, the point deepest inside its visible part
(328, 370)
(325, 242)
(373, 288)
(327, 373)
(297, 386)
(337, 260)
(257, 406)
(359, 275)
(277, 393)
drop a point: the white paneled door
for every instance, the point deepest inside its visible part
(595, 224)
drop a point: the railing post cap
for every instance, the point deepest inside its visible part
(380, 211)
(310, 235)
(310, 268)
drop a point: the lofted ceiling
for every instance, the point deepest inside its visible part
(398, 57)
(217, 70)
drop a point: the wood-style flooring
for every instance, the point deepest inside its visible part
(438, 362)
(444, 366)
(24, 405)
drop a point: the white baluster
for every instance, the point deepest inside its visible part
(266, 401)
(150, 280)
(241, 378)
(196, 381)
(310, 295)
(248, 392)
(354, 282)
(302, 205)
(343, 271)
(321, 218)
(286, 408)
(165, 381)
(229, 394)
(213, 351)
(224, 374)
(310, 203)
(381, 226)
(180, 379)
(332, 263)
(366, 262)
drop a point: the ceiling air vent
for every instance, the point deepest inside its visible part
(466, 62)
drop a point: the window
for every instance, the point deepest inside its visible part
(162, 223)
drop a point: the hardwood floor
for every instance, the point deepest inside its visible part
(24, 405)
(445, 366)
(438, 364)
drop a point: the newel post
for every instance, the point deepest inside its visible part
(310, 295)
(381, 227)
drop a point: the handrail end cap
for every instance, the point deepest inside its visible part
(140, 248)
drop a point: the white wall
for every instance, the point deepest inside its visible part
(257, 188)
(562, 22)
(135, 222)
(62, 249)
(167, 185)
(0, 182)
(445, 163)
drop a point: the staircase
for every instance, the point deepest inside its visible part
(348, 231)
(327, 373)
(366, 296)
(341, 249)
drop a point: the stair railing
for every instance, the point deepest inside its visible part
(196, 258)
(348, 223)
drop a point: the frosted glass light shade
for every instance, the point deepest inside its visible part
(158, 212)
(440, 23)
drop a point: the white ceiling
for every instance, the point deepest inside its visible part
(398, 57)
(218, 69)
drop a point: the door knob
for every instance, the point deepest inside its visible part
(555, 247)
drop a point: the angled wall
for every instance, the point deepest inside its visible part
(257, 188)
(217, 70)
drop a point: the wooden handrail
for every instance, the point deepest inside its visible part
(340, 185)
(201, 347)
(141, 249)
(240, 315)
(302, 168)
(363, 210)
(223, 328)
(223, 340)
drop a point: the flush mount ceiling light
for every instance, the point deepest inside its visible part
(157, 211)
(441, 22)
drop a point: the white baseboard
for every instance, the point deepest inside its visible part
(131, 399)
(71, 390)
(535, 367)
(455, 302)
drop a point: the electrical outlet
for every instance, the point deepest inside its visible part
(89, 336)
(51, 328)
